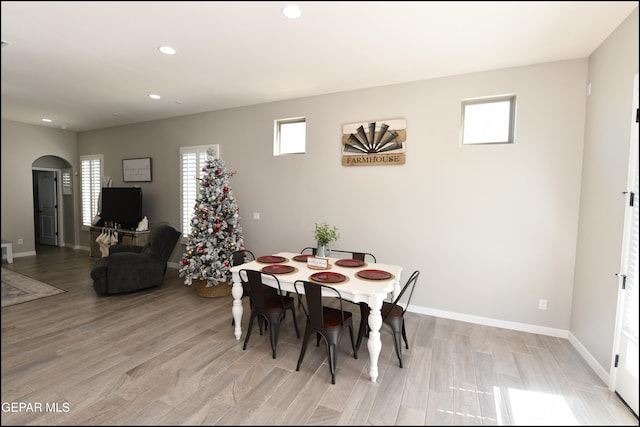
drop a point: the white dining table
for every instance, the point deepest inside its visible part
(353, 288)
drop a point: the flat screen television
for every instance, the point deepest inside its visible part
(122, 205)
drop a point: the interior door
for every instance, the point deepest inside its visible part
(47, 208)
(626, 373)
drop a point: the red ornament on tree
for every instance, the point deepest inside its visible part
(200, 251)
(185, 261)
(226, 189)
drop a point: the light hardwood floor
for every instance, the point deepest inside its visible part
(169, 357)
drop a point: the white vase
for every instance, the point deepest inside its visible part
(322, 251)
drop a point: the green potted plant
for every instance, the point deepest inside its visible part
(324, 234)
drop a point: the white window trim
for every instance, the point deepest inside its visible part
(277, 135)
(191, 191)
(489, 100)
(90, 188)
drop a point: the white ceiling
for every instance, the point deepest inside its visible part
(91, 65)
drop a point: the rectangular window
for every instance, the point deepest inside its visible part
(90, 183)
(488, 120)
(289, 136)
(192, 161)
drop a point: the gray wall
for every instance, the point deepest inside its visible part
(604, 178)
(497, 224)
(22, 147)
(492, 228)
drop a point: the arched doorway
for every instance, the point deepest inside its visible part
(52, 201)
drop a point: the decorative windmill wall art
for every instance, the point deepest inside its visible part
(374, 143)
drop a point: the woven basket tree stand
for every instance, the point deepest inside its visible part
(222, 289)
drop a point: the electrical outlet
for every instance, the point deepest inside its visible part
(256, 215)
(20, 241)
(542, 304)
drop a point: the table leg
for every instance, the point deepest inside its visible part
(374, 344)
(236, 310)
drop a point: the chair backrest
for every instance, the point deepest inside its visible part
(242, 256)
(361, 256)
(313, 294)
(408, 286)
(162, 240)
(257, 288)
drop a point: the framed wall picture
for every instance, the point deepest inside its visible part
(136, 170)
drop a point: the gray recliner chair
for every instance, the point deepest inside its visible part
(133, 268)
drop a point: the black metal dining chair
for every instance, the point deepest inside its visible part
(362, 256)
(393, 316)
(269, 306)
(327, 323)
(242, 256)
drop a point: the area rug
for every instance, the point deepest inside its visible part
(18, 288)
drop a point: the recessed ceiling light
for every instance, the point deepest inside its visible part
(154, 96)
(292, 11)
(167, 50)
(47, 120)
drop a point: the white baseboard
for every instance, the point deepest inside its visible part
(535, 329)
(591, 361)
(524, 327)
(516, 326)
(20, 254)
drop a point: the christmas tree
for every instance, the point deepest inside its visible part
(215, 228)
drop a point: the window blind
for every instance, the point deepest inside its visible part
(90, 171)
(192, 161)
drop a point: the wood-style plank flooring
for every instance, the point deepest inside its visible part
(169, 357)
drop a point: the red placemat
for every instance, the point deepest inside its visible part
(278, 269)
(348, 262)
(271, 259)
(374, 274)
(328, 277)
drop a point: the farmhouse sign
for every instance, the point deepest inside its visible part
(374, 143)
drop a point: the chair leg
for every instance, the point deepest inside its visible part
(260, 323)
(331, 354)
(404, 335)
(397, 336)
(307, 334)
(353, 345)
(364, 325)
(246, 339)
(295, 322)
(275, 329)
